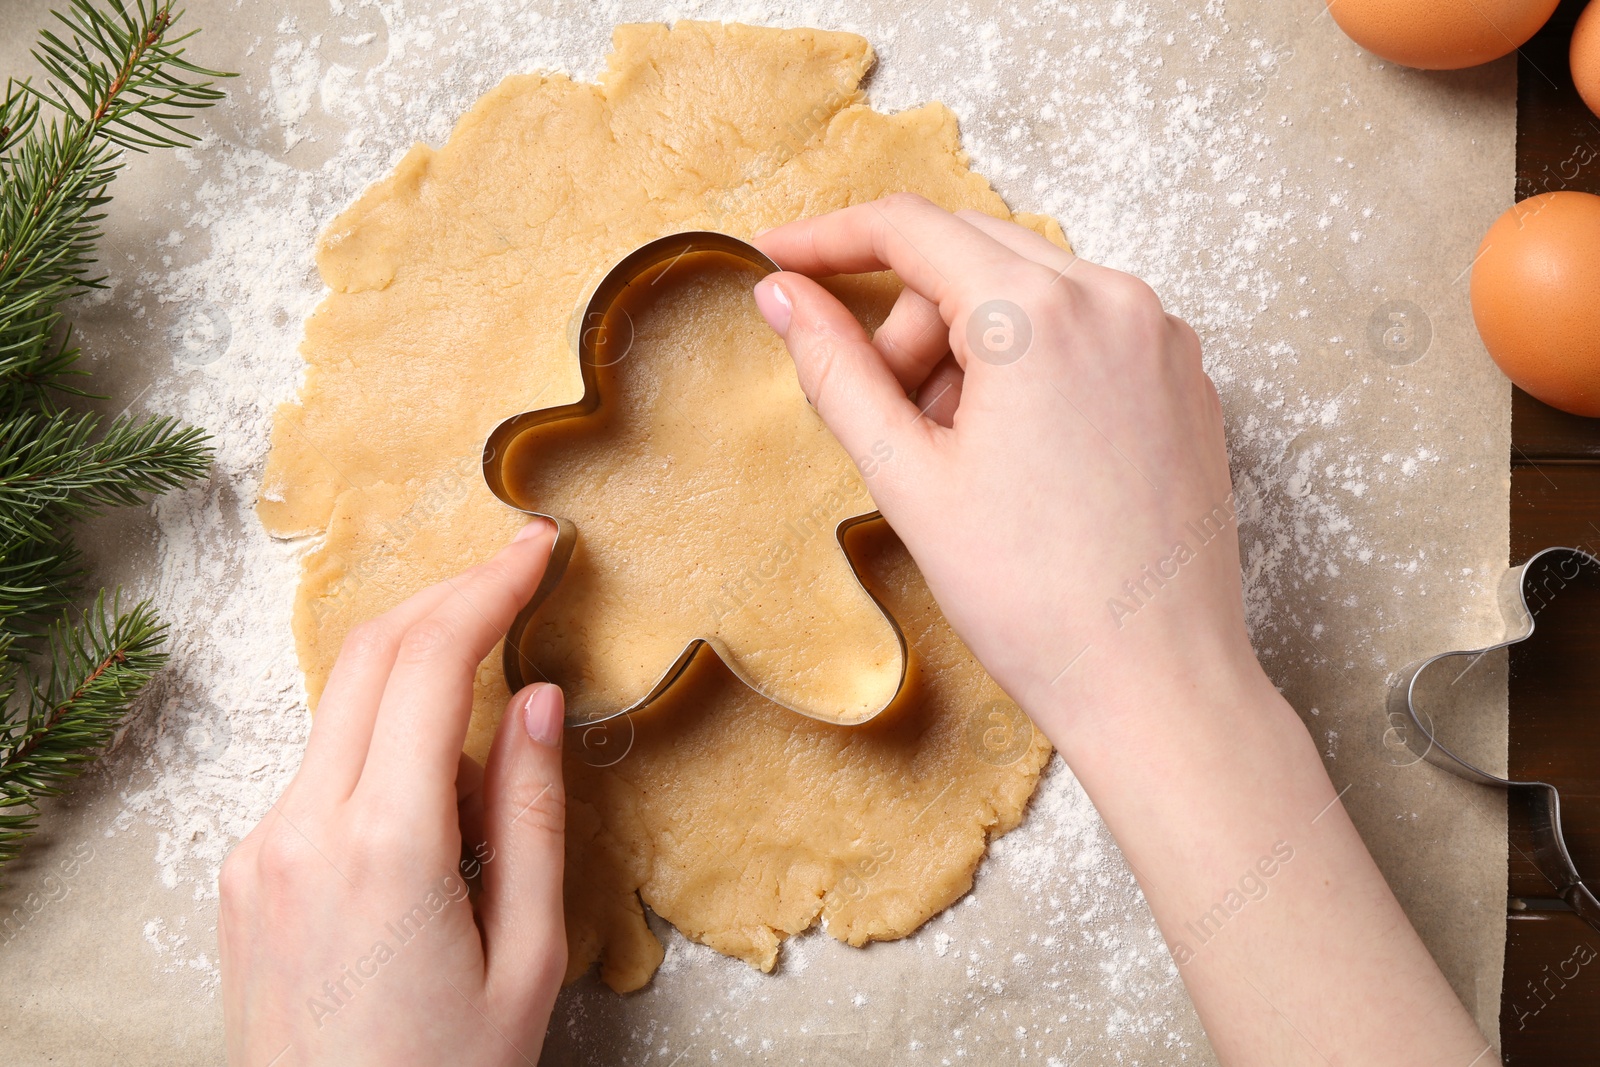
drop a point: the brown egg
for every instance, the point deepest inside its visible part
(1536, 298)
(1441, 34)
(1586, 55)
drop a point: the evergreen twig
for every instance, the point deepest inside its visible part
(54, 467)
(97, 664)
(116, 80)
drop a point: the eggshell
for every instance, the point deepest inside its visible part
(1536, 298)
(1441, 34)
(1586, 55)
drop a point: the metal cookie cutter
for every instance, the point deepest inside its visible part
(587, 337)
(1539, 801)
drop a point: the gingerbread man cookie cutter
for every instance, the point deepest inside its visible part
(1540, 802)
(586, 336)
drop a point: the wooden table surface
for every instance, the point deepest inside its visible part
(1550, 1006)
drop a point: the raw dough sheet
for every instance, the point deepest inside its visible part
(735, 819)
(1282, 190)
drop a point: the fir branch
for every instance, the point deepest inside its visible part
(97, 664)
(123, 74)
(116, 80)
(53, 467)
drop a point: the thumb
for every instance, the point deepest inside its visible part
(525, 942)
(842, 373)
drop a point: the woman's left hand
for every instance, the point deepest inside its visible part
(346, 931)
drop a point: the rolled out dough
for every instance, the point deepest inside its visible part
(452, 282)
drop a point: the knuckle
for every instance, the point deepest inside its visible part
(540, 970)
(1062, 300)
(377, 838)
(498, 574)
(1184, 331)
(819, 367)
(234, 880)
(1188, 342)
(281, 859)
(1131, 296)
(905, 202)
(367, 639)
(539, 806)
(428, 639)
(1038, 283)
(1019, 296)
(551, 967)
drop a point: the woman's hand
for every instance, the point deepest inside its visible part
(1062, 480)
(347, 932)
(1060, 477)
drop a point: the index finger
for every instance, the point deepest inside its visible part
(427, 701)
(936, 254)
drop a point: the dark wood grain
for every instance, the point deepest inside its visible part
(1552, 985)
(1558, 137)
(1555, 737)
(1553, 673)
(1550, 1004)
(1554, 504)
(1545, 435)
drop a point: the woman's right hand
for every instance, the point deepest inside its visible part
(1062, 482)
(1060, 478)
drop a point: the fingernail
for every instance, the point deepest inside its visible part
(533, 529)
(774, 305)
(543, 712)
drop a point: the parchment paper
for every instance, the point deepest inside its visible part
(1314, 212)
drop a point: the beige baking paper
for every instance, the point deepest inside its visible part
(1312, 211)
